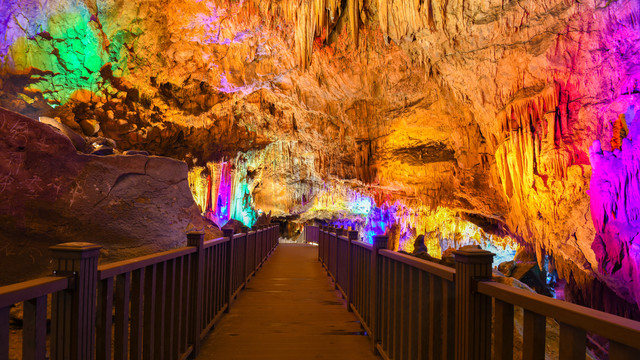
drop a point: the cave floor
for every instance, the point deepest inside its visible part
(289, 310)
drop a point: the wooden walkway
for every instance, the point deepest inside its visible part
(289, 310)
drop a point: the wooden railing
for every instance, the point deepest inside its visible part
(152, 307)
(417, 309)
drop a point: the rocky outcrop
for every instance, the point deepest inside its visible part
(486, 108)
(131, 205)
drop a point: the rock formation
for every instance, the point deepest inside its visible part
(131, 205)
(486, 109)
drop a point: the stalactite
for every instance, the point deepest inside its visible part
(526, 152)
(615, 208)
(354, 13)
(620, 131)
(383, 16)
(198, 182)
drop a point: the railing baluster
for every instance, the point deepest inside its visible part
(619, 351)
(211, 287)
(121, 337)
(385, 304)
(177, 307)
(448, 319)
(413, 312)
(533, 336)
(503, 331)
(34, 330)
(208, 289)
(219, 278)
(169, 295)
(149, 340)
(393, 308)
(424, 343)
(215, 282)
(187, 293)
(104, 319)
(137, 314)
(400, 309)
(4, 333)
(161, 286)
(435, 317)
(405, 321)
(368, 287)
(573, 342)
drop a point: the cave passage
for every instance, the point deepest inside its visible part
(509, 125)
(289, 310)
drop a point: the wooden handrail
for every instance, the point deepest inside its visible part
(442, 271)
(121, 267)
(27, 290)
(213, 242)
(362, 244)
(612, 327)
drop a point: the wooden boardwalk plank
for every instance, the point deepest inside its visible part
(289, 311)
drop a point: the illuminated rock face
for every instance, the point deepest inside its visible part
(131, 205)
(484, 109)
(615, 209)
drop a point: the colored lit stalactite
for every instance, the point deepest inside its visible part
(221, 192)
(69, 53)
(620, 131)
(615, 204)
(442, 228)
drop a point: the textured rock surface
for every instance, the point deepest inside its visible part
(488, 108)
(132, 205)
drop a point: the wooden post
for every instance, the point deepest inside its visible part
(197, 285)
(73, 320)
(473, 310)
(379, 243)
(353, 236)
(228, 233)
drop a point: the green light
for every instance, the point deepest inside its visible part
(70, 59)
